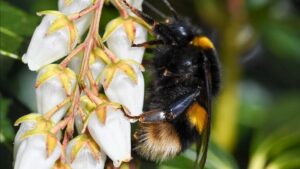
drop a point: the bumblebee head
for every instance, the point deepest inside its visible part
(176, 31)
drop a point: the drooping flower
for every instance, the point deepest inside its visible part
(26, 126)
(111, 130)
(124, 83)
(121, 33)
(53, 86)
(83, 152)
(32, 154)
(48, 46)
(36, 146)
(120, 43)
(57, 34)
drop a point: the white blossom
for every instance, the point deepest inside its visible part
(46, 48)
(32, 153)
(114, 136)
(26, 126)
(120, 45)
(126, 92)
(84, 159)
(52, 92)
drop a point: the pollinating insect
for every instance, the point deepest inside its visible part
(187, 76)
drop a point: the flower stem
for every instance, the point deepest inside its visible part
(91, 96)
(121, 9)
(71, 114)
(113, 58)
(93, 83)
(83, 12)
(90, 40)
(50, 113)
(66, 61)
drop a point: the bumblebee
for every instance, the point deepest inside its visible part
(187, 76)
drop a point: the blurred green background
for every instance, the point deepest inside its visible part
(256, 117)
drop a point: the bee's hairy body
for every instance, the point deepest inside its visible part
(177, 72)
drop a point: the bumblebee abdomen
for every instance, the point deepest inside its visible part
(157, 141)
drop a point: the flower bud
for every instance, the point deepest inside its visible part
(113, 136)
(53, 86)
(125, 91)
(32, 153)
(46, 48)
(120, 44)
(76, 6)
(83, 152)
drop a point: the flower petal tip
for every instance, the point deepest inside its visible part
(25, 58)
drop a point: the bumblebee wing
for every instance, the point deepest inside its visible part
(202, 144)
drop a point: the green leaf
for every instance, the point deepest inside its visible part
(275, 140)
(16, 20)
(10, 42)
(15, 25)
(283, 40)
(6, 130)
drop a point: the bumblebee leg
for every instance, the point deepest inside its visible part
(148, 43)
(148, 19)
(171, 112)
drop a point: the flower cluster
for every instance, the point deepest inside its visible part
(69, 94)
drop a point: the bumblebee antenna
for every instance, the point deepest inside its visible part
(148, 19)
(155, 10)
(174, 12)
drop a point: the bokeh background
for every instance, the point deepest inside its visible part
(256, 117)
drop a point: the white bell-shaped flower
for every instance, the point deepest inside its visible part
(32, 153)
(46, 48)
(127, 92)
(35, 145)
(54, 84)
(75, 6)
(86, 154)
(113, 136)
(119, 43)
(26, 126)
